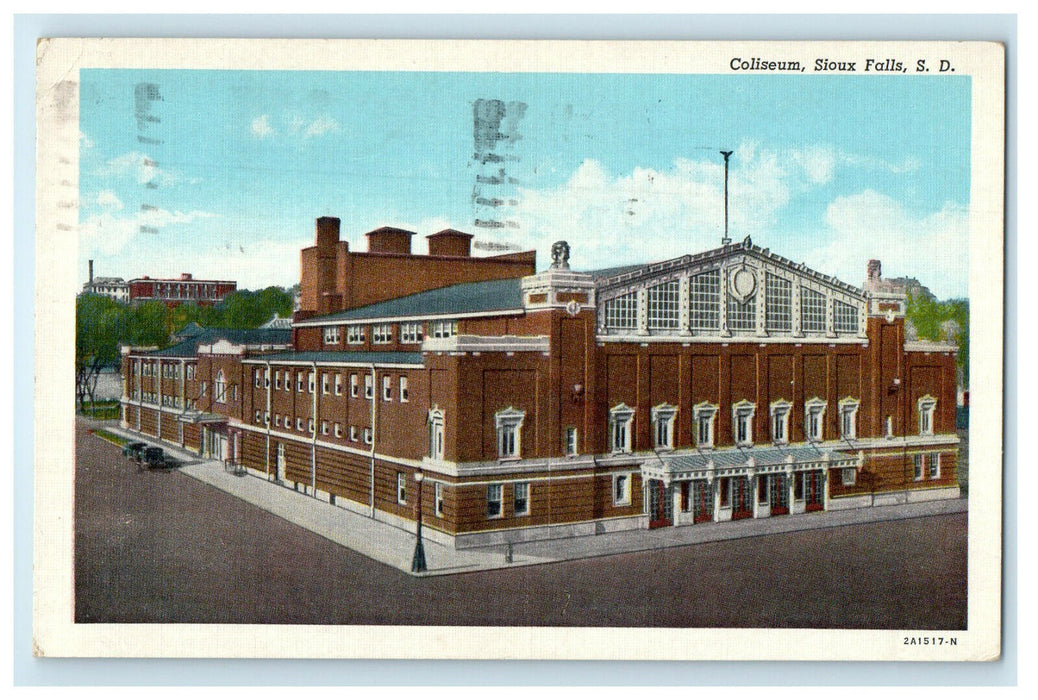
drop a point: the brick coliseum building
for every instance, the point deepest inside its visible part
(727, 384)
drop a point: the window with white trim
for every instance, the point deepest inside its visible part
(326, 383)
(705, 301)
(521, 498)
(382, 333)
(277, 420)
(299, 382)
(509, 423)
(620, 419)
(403, 390)
(324, 427)
(622, 312)
(354, 385)
(494, 492)
(778, 308)
(570, 444)
(919, 465)
(848, 418)
(367, 436)
(812, 311)
(780, 422)
(331, 335)
(814, 419)
(310, 425)
(338, 430)
(311, 382)
(436, 434)
(256, 378)
(704, 414)
(849, 476)
(220, 388)
(663, 305)
(338, 384)
(621, 489)
(411, 332)
(927, 406)
(742, 315)
(934, 463)
(277, 379)
(663, 426)
(299, 424)
(401, 488)
(369, 386)
(845, 317)
(256, 417)
(354, 435)
(742, 422)
(354, 334)
(266, 418)
(438, 499)
(444, 329)
(387, 388)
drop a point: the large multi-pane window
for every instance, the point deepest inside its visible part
(848, 418)
(521, 498)
(704, 417)
(382, 333)
(927, 405)
(779, 422)
(742, 316)
(845, 317)
(622, 312)
(494, 500)
(663, 304)
(354, 335)
(444, 329)
(331, 335)
(663, 425)
(509, 423)
(620, 419)
(814, 415)
(812, 311)
(410, 332)
(742, 418)
(705, 301)
(778, 305)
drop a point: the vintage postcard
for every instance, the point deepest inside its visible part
(519, 350)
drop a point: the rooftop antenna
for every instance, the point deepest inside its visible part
(726, 240)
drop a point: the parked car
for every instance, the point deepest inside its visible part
(133, 450)
(154, 457)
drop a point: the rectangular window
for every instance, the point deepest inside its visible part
(354, 335)
(438, 499)
(934, 460)
(277, 379)
(622, 312)
(779, 424)
(277, 420)
(354, 385)
(845, 317)
(494, 500)
(367, 436)
(331, 335)
(338, 384)
(743, 416)
(410, 332)
(326, 383)
(812, 311)
(444, 329)
(382, 333)
(919, 462)
(401, 488)
(299, 424)
(705, 298)
(256, 377)
(338, 430)
(521, 498)
(403, 389)
(724, 485)
(353, 433)
(299, 382)
(663, 423)
(926, 411)
(663, 303)
(570, 442)
(848, 415)
(705, 428)
(621, 489)
(310, 425)
(621, 434)
(814, 425)
(742, 316)
(387, 388)
(369, 386)
(850, 476)
(324, 427)
(778, 309)
(436, 435)
(311, 381)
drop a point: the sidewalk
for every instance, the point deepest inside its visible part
(393, 546)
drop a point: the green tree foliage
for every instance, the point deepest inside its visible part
(245, 309)
(100, 323)
(931, 320)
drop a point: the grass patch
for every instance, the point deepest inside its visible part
(103, 410)
(110, 437)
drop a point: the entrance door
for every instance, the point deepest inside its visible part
(813, 491)
(661, 504)
(279, 464)
(778, 493)
(742, 499)
(702, 502)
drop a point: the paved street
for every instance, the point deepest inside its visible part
(160, 546)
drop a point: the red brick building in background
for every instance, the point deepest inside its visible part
(728, 384)
(173, 292)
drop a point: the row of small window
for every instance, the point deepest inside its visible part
(663, 307)
(927, 466)
(621, 419)
(382, 333)
(169, 371)
(305, 382)
(327, 428)
(169, 401)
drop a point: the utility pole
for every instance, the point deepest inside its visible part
(726, 240)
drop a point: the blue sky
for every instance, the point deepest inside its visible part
(826, 170)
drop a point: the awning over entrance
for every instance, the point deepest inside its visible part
(201, 417)
(702, 464)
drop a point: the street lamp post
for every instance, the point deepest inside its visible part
(418, 561)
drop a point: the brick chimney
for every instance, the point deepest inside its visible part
(389, 240)
(450, 243)
(91, 268)
(184, 276)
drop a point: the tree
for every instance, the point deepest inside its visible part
(247, 309)
(931, 320)
(100, 323)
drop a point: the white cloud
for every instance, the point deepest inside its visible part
(109, 200)
(931, 246)
(320, 126)
(139, 166)
(109, 234)
(261, 126)
(85, 141)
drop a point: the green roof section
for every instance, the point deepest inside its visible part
(238, 336)
(355, 358)
(465, 298)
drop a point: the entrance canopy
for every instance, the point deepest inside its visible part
(201, 417)
(744, 461)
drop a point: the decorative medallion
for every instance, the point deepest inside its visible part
(572, 307)
(742, 283)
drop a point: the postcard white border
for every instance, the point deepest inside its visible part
(57, 173)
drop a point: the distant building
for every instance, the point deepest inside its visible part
(174, 292)
(278, 322)
(114, 287)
